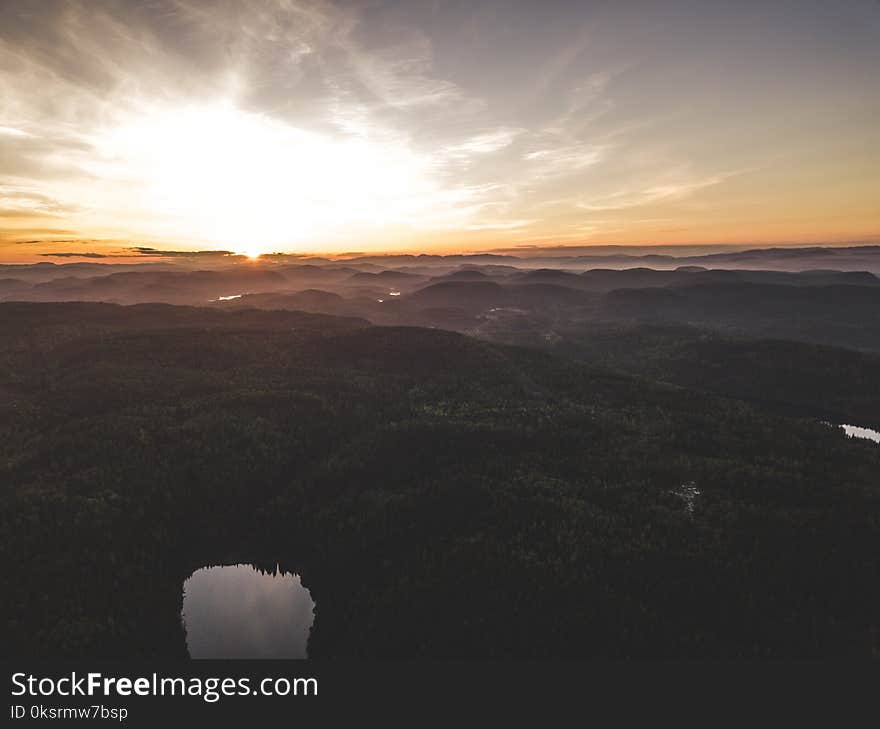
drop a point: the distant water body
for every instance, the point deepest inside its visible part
(854, 431)
(237, 611)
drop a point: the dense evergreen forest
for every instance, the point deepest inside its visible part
(789, 377)
(441, 495)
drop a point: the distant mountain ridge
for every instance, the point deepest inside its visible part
(842, 258)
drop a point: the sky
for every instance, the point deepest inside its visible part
(300, 126)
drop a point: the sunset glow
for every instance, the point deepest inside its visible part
(221, 175)
(320, 126)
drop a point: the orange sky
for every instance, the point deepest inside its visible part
(319, 127)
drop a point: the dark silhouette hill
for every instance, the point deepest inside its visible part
(462, 294)
(549, 276)
(313, 300)
(847, 316)
(485, 295)
(468, 274)
(385, 277)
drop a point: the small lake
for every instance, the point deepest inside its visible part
(854, 431)
(238, 611)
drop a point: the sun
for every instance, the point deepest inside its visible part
(225, 176)
(251, 252)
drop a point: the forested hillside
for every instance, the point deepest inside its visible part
(441, 496)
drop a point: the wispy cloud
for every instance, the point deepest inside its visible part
(328, 125)
(75, 254)
(13, 132)
(158, 252)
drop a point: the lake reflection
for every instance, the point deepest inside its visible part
(236, 611)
